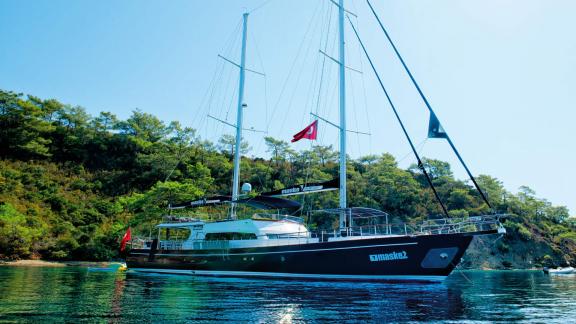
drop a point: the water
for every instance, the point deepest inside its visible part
(76, 294)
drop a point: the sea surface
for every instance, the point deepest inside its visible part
(82, 294)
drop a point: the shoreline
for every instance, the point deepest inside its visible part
(56, 264)
(32, 263)
(105, 264)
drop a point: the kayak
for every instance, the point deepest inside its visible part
(566, 270)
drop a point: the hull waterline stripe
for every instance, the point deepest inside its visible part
(282, 252)
(289, 275)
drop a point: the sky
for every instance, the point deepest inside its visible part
(499, 74)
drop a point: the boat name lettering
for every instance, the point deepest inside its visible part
(198, 202)
(389, 256)
(204, 202)
(301, 189)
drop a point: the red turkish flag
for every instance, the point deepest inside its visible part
(309, 132)
(127, 237)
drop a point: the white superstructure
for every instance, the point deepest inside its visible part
(244, 233)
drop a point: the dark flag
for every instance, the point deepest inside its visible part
(127, 237)
(435, 130)
(309, 132)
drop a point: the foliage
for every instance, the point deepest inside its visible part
(71, 183)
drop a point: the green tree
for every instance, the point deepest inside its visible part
(24, 128)
(144, 127)
(227, 143)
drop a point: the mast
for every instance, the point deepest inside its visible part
(432, 114)
(342, 113)
(420, 164)
(241, 105)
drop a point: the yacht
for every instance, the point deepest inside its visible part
(272, 242)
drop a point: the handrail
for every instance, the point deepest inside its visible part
(429, 227)
(278, 217)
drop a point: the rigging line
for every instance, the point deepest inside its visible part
(204, 98)
(214, 91)
(326, 73)
(311, 88)
(428, 104)
(420, 165)
(316, 86)
(232, 97)
(220, 89)
(324, 133)
(220, 72)
(292, 66)
(419, 148)
(314, 79)
(328, 104)
(236, 80)
(234, 45)
(224, 94)
(319, 77)
(332, 99)
(308, 166)
(364, 90)
(297, 80)
(324, 58)
(326, 101)
(180, 157)
(261, 62)
(351, 82)
(258, 7)
(266, 102)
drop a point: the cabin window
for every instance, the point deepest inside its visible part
(227, 236)
(174, 234)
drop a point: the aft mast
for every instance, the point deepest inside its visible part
(342, 71)
(241, 105)
(342, 114)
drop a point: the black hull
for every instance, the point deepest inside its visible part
(426, 257)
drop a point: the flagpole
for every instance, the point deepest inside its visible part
(236, 178)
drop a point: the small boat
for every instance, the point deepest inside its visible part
(564, 270)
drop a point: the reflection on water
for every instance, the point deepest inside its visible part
(76, 294)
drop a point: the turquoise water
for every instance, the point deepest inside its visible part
(76, 294)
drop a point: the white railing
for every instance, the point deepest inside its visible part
(170, 245)
(484, 223)
(278, 217)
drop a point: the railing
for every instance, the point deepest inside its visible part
(278, 217)
(461, 225)
(170, 245)
(180, 219)
(429, 227)
(140, 243)
(210, 245)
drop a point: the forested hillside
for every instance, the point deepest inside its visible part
(71, 183)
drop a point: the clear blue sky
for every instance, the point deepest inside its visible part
(500, 73)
